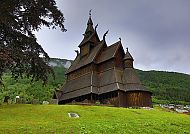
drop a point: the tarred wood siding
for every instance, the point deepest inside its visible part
(99, 74)
(79, 72)
(119, 58)
(89, 98)
(122, 99)
(105, 65)
(138, 98)
(128, 64)
(110, 98)
(84, 50)
(94, 40)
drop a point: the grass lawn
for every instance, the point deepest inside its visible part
(93, 119)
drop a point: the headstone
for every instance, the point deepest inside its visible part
(187, 107)
(18, 100)
(6, 99)
(73, 115)
(45, 102)
(171, 107)
(35, 101)
(147, 108)
(53, 101)
(181, 110)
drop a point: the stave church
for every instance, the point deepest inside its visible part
(103, 73)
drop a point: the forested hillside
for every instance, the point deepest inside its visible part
(170, 86)
(28, 90)
(167, 87)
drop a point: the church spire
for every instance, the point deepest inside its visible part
(90, 34)
(90, 20)
(89, 30)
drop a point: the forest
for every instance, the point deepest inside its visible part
(167, 87)
(29, 90)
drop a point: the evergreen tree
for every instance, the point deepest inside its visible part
(20, 52)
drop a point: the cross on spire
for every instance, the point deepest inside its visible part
(90, 12)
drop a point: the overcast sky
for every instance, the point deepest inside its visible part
(157, 32)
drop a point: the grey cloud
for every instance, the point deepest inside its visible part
(156, 32)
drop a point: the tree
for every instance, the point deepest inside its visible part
(20, 53)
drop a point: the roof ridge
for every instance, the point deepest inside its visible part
(114, 44)
(87, 39)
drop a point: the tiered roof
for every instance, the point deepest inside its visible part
(113, 79)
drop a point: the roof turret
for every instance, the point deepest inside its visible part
(128, 56)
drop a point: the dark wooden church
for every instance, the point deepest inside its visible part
(103, 73)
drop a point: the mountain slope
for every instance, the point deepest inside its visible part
(170, 86)
(56, 62)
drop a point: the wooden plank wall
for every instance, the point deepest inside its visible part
(138, 98)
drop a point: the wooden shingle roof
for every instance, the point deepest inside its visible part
(80, 62)
(80, 86)
(109, 52)
(89, 39)
(90, 32)
(78, 93)
(132, 81)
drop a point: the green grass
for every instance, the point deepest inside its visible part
(93, 119)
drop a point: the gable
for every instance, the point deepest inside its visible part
(93, 38)
(80, 62)
(119, 57)
(109, 52)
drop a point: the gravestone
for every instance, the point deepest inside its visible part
(35, 101)
(181, 110)
(53, 101)
(45, 102)
(6, 99)
(18, 99)
(73, 115)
